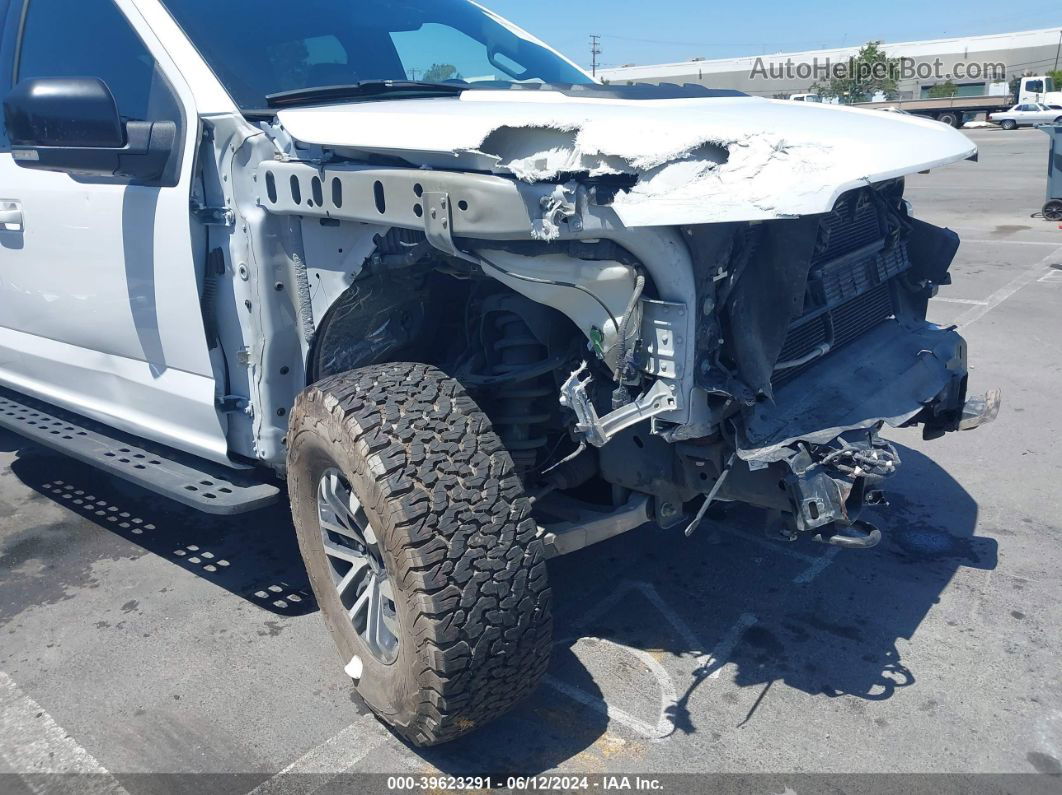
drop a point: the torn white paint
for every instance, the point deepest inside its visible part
(697, 160)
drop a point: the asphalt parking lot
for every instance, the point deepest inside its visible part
(137, 637)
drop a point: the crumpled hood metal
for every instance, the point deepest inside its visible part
(697, 160)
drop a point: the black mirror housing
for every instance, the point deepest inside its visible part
(71, 124)
(63, 111)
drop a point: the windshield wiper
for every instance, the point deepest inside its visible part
(363, 88)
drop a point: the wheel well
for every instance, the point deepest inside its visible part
(417, 314)
(411, 303)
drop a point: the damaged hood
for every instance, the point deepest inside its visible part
(692, 160)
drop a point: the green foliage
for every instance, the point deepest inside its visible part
(863, 76)
(441, 71)
(1015, 87)
(1056, 76)
(946, 89)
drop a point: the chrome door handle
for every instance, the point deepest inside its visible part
(10, 216)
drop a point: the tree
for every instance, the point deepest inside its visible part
(1056, 77)
(440, 72)
(869, 72)
(1015, 87)
(945, 89)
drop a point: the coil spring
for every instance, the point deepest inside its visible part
(518, 414)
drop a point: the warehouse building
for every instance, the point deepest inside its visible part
(977, 65)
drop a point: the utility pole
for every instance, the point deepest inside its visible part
(595, 50)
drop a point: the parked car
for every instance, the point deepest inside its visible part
(472, 324)
(1027, 114)
(902, 112)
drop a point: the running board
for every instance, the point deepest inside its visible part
(184, 478)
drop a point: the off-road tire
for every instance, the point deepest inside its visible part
(469, 574)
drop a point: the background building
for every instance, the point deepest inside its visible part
(1027, 52)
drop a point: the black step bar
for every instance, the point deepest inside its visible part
(184, 478)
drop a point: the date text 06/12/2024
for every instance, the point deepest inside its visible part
(529, 783)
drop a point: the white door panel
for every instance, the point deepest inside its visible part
(172, 407)
(105, 266)
(100, 287)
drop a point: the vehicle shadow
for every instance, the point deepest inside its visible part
(806, 616)
(254, 556)
(10, 442)
(642, 621)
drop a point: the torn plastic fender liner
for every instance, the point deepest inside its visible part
(931, 249)
(891, 376)
(767, 295)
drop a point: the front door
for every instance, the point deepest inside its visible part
(100, 278)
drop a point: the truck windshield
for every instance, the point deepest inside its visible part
(259, 48)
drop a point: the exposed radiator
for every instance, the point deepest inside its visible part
(848, 291)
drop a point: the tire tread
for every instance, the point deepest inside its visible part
(459, 529)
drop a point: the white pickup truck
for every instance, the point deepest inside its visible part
(473, 308)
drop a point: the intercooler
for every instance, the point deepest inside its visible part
(848, 290)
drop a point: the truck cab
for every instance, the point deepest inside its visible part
(1039, 89)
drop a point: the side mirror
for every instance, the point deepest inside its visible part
(71, 124)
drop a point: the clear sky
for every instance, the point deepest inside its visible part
(659, 31)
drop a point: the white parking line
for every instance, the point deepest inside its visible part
(668, 696)
(816, 568)
(1014, 242)
(971, 301)
(717, 658)
(709, 664)
(333, 757)
(774, 546)
(816, 563)
(38, 749)
(975, 313)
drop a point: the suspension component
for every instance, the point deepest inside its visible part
(517, 402)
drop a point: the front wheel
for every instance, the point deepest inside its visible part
(420, 548)
(1053, 210)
